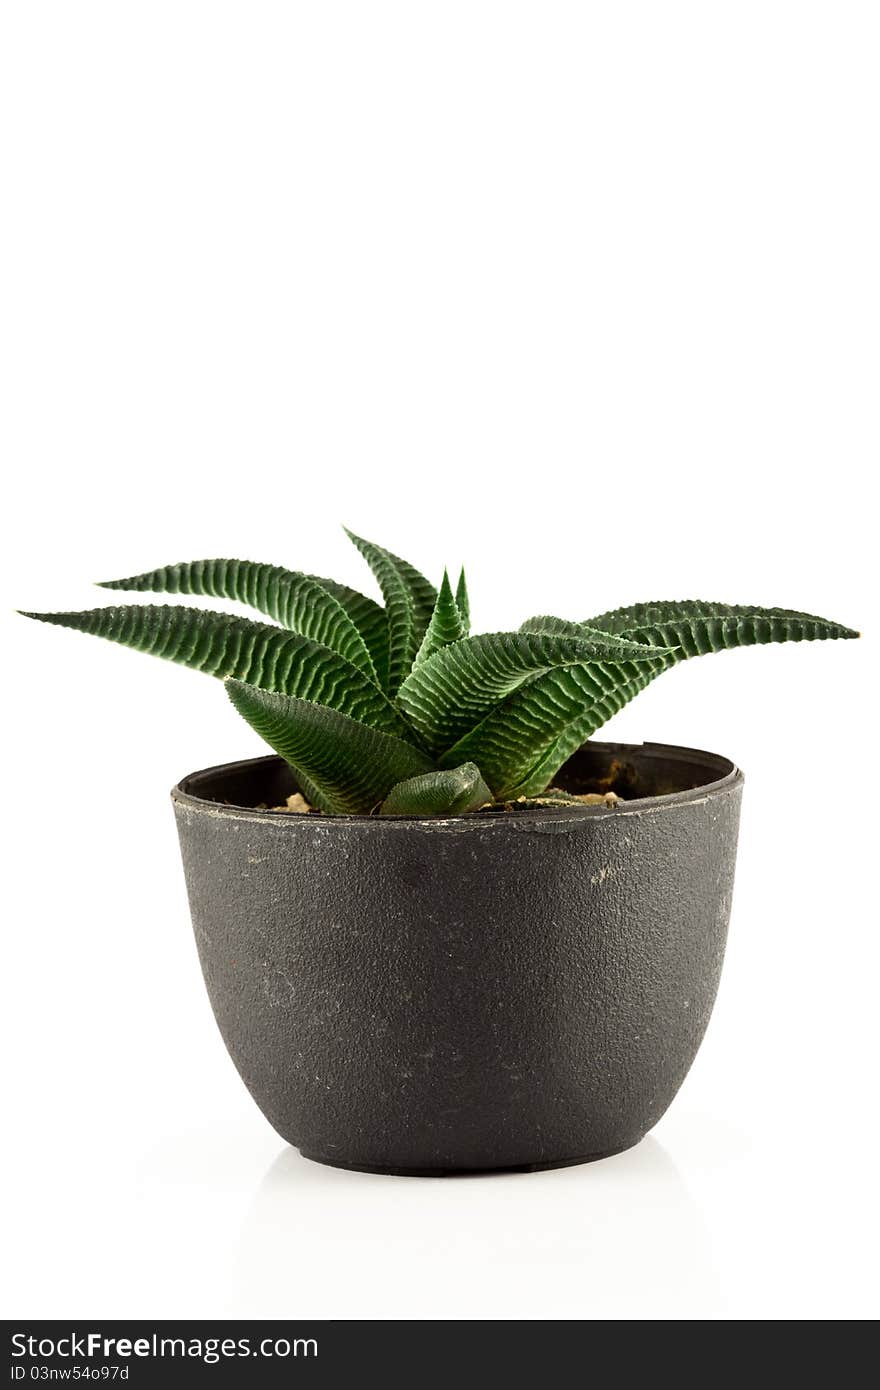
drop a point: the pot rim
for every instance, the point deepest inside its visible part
(729, 776)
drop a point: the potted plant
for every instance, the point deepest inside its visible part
(483, 942)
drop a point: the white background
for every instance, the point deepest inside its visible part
(583, 294)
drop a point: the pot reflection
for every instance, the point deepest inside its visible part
(621, 1238)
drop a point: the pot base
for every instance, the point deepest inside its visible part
(468, 1172)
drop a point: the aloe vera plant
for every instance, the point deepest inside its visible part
(397, 709)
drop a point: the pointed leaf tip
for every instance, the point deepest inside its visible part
(59, 618)
(409, 603)
(446, 625)
(223, 644)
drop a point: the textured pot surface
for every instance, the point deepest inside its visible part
(490, 991)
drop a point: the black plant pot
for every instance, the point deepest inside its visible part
(501, 990)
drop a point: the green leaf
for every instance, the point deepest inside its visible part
(521, 745)
(463, 602)
(349, 767)
(421, 591)
(455, 688)
(449, 793)
(562, 627)
(299, 602)
(222, 644)
(370, 620)
(409, 603)
(697, 626)
(445, 625)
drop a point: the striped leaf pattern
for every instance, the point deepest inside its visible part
(297, 601)
(519, 744)
(445, 626)
(369, 619)
(523, 743)
(463, 603)
(697, 627)
(221, 644)
(456, 687)
(349, 767)
(409, 604)
(398, 708)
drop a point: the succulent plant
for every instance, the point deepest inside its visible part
(398, 709)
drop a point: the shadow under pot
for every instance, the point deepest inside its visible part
(502, 990)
